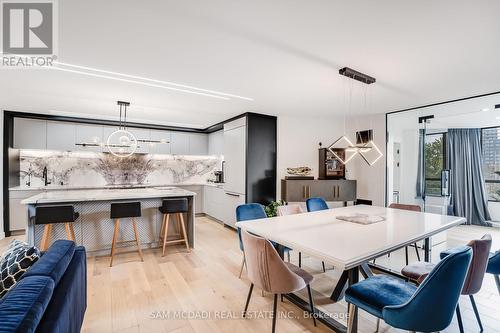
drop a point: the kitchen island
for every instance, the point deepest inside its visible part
(94, 228)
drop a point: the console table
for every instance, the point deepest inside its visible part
(331, 190)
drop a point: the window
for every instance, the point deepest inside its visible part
(434, 162)
(491, 161)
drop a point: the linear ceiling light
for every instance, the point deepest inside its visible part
(164, 84)
(138, 82)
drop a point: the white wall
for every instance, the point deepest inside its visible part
(298, 141)
(494, 209)
(2, 234)
(370, 179)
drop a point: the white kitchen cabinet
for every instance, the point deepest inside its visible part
(30, 133)
(198, 199)
(106, 132)
(61, 136)
(180, 143)
(18, 212)
(144, 134)
(89, 134)
(231, 201)
(234, 157)
(216, 143)
(214, 199)
(198, 144)
(221, 204)
(160, 148)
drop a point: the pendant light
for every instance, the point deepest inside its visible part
(343, 149)
(369, 151)
(121, 142)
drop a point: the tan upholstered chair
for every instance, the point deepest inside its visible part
(269, 272)
(291, 210)
(414, 208)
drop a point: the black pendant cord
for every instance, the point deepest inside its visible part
(120, 126)
(125, 119)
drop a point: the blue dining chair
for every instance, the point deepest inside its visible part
(313, 205)
(494, 267)
(246, 212)
(426, 308)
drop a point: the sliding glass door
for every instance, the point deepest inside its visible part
(418, 168)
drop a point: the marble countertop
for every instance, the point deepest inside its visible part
(107, 194)
(94, 187)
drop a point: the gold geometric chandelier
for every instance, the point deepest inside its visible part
(344, 149)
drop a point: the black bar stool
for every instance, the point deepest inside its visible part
(125, 210)
(49, 215)
(177, 207)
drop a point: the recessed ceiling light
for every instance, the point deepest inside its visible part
(485, 109)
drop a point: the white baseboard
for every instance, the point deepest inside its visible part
(2, 235)
(496, 224)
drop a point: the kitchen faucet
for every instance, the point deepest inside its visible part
(45, 176)
(30, 175)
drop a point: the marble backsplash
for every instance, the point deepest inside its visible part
(104, 169)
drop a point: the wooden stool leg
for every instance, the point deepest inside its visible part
(165, 234)
(177, 227)
(72, 230)
(137, 240)
(113, 244)
(162, 228)
(44, 243)
(183, 228)
(69, 234)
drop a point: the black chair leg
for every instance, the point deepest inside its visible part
(406, 254)
(497, 281)
(248, 300)
(459, 319)
(300, 259)
(416, 250)
(324, 269)
(474, 307)
(311, 304)
(275, 305)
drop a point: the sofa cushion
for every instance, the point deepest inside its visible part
(18, 258)
(54, 262)
(378, 291)
(23, 306)
(67, 307)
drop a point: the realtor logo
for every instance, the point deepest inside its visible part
(28, 28)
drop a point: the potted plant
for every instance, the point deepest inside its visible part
(272, 209)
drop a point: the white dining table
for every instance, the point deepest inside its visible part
(350, 246)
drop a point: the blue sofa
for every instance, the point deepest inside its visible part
(51, 296)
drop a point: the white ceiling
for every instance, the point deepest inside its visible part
(471, 113)
(285, 55)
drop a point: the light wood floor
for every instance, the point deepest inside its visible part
(136, 296)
